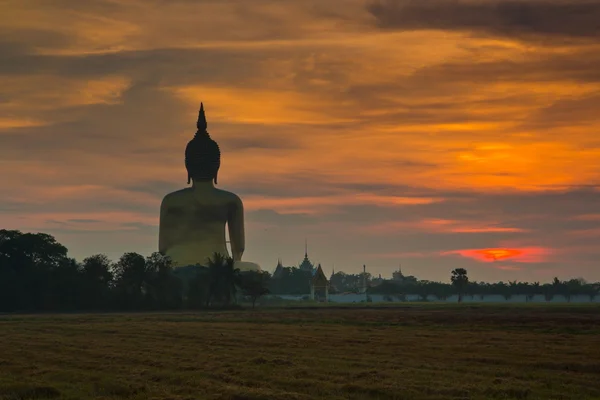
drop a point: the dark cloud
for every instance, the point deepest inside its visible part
(520, 19)
(272, 217)
(170, 66)
(140, 226)
(154, 188)
(112, 125)
(83, 221)
(26, 41)
(577, 65)
(567, 113)
(270, 142)
(544, 211)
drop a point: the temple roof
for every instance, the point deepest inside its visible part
(306, 265)
(318, 276)
(278, 269)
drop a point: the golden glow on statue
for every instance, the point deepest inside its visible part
(193, 220)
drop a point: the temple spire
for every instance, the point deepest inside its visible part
(305, 248)
(201, 124)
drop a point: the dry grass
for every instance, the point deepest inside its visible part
(416, 352)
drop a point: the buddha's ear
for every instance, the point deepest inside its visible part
(216, 173)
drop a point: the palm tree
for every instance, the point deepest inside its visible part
(460, 280)
(214, 265)
(223, 279)
(231, 280)
(535, 289)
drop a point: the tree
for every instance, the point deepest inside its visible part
(195, 281)
(441, 290)
(232, 280)
(592, 290)
(423, 290)
(460, 280)
(163, 288)
(386, 288)
(223, 279)
(254, 285)
(28, 270)
(549, 291)
(573, 287)
(130, 275)
(506, 290)
(96, 281)
(293, 280)
(533, 290)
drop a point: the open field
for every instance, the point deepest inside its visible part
(411, 352)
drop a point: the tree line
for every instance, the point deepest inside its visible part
(293, 281)
(36, 274)
(461, 286)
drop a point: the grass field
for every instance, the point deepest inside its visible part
(412, 352)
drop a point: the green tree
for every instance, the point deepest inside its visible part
(423, 290)
(30, 266)
(293, 280)
(96, 281)
(130, 276)
(441, 290)
(533, 290)
(163, 288)
(254, 285)
(195, 286)
(592, 290)
(460, 280)
(223, 280)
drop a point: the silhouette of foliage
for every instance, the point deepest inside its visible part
(36, 274)
(255, 285)
(460, 280)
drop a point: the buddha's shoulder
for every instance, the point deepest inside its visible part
(186, 195)
(177, 196)
(228, 196)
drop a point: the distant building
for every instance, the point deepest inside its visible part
(319, 285)
(278, 269)
(306, 264)
(397, 275)
(377, 281)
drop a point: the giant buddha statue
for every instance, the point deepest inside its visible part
(193, 220)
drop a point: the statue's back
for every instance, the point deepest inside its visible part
(194, 223)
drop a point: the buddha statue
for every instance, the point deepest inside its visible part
(193, 220)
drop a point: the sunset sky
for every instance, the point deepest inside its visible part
(434, 134)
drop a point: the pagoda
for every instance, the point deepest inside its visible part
(306, 264)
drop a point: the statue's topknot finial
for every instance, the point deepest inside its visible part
(202, 154)
(201, 124)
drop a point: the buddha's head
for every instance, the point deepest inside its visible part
(202, 154)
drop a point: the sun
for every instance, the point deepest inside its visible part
(498, 254)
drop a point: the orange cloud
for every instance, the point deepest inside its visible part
(440, 225)
(585, 233)
(508, 268)
(588, 217)
(400, 255)
(79, 221)
(523, 255)
(47, 92)
(314, 204)
(252, 106)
